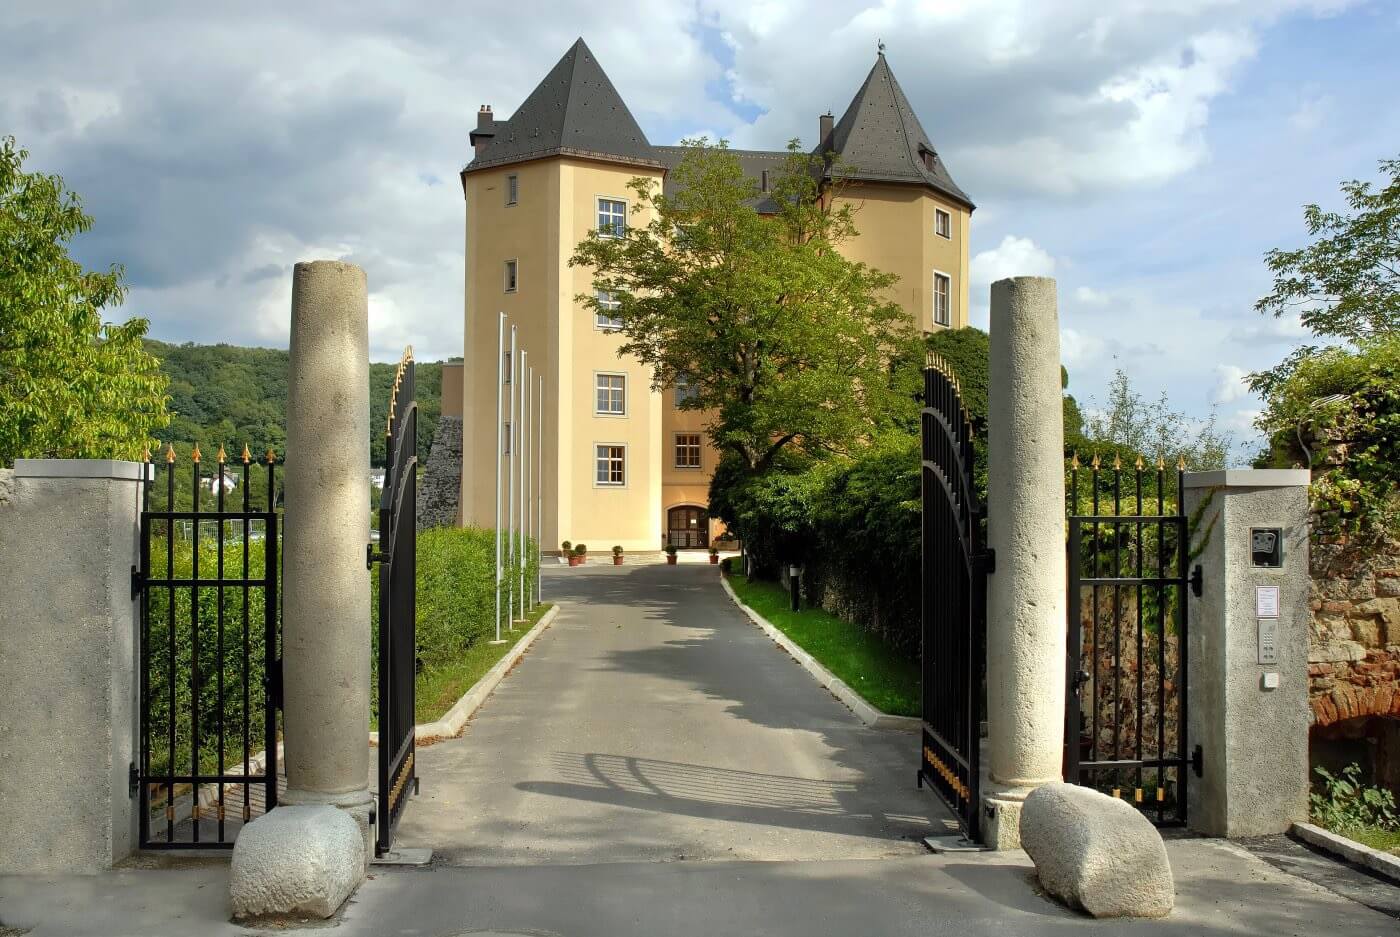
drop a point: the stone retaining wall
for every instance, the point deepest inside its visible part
(1354, 659)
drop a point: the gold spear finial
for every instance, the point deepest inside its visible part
(247, 456)
(221, 456)
(1074, 460)
(146, 453)
(170, 452)
(1096, 462)
(1161, 462)
(195, 454)
(1181, 463)
(1139, 463)
(271, 457)
(1117, 462)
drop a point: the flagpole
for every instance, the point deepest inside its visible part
(500, 383)
(511, 446)
(524, 492)
(539, 497)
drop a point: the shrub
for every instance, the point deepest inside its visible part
(568, 547)
(617, 551)
(581, 549)
(1344, 805)
(670, 549)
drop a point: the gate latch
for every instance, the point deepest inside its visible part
(133, 780)
(138, 582)
(371, 557)
(1081, 677)
(1198, 581)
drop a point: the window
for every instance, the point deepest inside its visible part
(507, 360)
(607, 302)
(612, 394)
(512, 189)
(942, 223)
(612, 464)
(687, 450)
(512, 276)
(505, 439)
(685, 389)
(942, 298)
(612, 218)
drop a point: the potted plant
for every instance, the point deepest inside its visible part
(580, 555)
(671, 554)
(714, 556)
(617, 556)
(569, 553)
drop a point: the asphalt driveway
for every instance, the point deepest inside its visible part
(652, 721)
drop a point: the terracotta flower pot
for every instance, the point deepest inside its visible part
(575, 560)
(617, 559)
(714, 559)
(671, 559)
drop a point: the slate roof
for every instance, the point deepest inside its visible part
(575, 111)
(753, 163)
(881, 140)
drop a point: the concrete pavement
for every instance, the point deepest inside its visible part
(654, 722)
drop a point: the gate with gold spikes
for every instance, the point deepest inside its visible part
(1125, 719)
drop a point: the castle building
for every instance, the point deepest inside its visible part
(621, 463)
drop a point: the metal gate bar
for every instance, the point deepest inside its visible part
(187, 790)
(1125, 745)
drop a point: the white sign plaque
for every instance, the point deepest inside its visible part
(1268, 640)
(1266, 601)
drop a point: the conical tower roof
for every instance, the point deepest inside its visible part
(574, 111)
(881, 140)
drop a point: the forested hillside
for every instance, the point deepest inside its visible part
(229, 395)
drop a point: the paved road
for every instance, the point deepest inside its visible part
(653, 722)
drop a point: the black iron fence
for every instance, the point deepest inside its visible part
(1125, 723)
(397, 640)
(955, 566)
(209, 651)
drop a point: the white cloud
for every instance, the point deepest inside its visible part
(1088, 296)
(1013, 257)
(1231, 385)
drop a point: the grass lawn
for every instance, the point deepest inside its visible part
(441, 686)
(1384, 840)
(888, 682)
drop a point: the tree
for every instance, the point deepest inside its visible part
(1130, 425)
(1346, 284)
(785, 341)
(71, 386)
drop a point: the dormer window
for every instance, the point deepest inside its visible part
(928, 157)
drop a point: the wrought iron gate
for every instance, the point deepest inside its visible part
(397, 645)
(1125, 722)
(955, 567)
(209, 679)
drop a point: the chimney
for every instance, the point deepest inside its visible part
(485, 129)
(827, 124)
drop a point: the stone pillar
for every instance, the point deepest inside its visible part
(325, 592)
(69, 538)
(1247, 653)
(1026, 529)
(307, 856)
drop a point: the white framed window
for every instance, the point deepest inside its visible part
(611, 394)
(607, 302)
(685, 389)
(507, 367)
(505, 438)
(512, 275)
(610, 460)
(512, 189)
(612, 218)
(688, 450)
(942, 223)
(942, 298)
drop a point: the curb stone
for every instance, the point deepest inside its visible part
(838, 688)
(1373, 859)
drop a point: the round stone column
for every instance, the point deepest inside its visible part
(326, 589)
(1026, 643)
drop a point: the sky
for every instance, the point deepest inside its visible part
(1146, 153)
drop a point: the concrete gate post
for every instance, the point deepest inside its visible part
(295, 858)
(1026, 643)
(1247, 651)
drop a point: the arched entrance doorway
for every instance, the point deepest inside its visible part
(687, 527)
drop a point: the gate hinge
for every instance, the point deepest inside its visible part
(133, 780)
(1198, 581)
(989, 561)
(1198, 759)
(272, 683)
(371, 557)
(138, 582)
